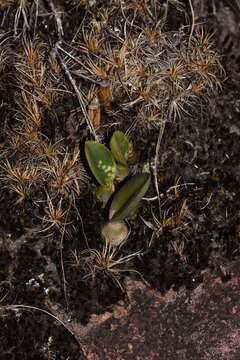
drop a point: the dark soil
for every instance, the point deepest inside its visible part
(195, 227)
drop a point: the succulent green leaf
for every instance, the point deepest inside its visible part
(128, 197)
(119, 145)
(101, 162)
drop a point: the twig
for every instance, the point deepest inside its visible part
(55, 52)
(150, 199)
(104, 83)
(36, 16)
(29, 307)
(21, 11)
(83, 231)
(160, 135)
(193, 22)
(178, 186)
(164, 18)
(62, 263)
(79, 96)
(208, 202)
(57, 19)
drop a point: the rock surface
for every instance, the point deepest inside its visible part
(202, 324)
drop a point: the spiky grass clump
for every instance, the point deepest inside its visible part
(107, 261)
(152, 74)
(19, 178)
(39, 167)
(39, 172)
(64, 174)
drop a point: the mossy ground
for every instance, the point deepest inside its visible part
(48, 216)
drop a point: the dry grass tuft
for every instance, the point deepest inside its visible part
(19, 179)
(107, 261)
(55, 217)
(65, 174)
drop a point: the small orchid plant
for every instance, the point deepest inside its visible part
(110, 166)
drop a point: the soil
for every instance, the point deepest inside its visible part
(46, 268)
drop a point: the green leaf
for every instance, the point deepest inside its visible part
(101, 162)
(128, 197)
(121, 172)
(119, 145)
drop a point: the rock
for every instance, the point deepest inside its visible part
(202, 324)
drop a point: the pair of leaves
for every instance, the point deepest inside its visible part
(102, 161)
